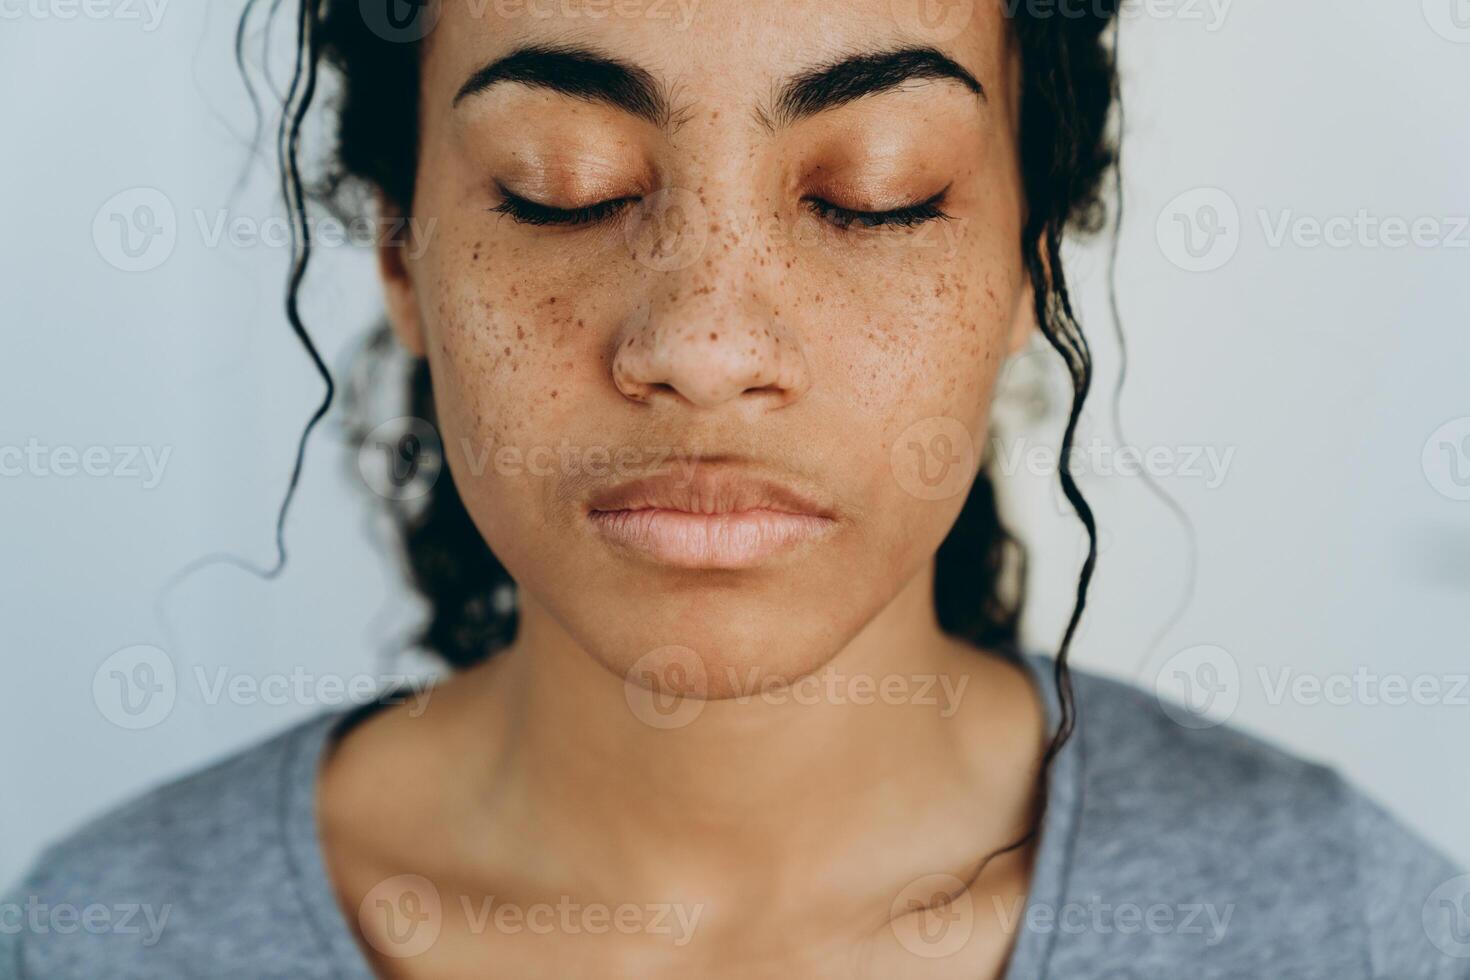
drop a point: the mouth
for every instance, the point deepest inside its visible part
(710, 518)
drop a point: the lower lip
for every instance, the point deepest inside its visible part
(742, 539)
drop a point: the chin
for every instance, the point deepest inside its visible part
(720, 644)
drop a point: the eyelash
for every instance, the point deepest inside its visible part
(906, 217)
(531, 213)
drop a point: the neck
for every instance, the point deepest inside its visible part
(908, 746)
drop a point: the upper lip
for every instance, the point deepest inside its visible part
(711, 489)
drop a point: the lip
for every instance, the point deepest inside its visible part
(716, 518)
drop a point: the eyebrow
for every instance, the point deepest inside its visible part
(829, 86)
(580, 73)
(584, 73)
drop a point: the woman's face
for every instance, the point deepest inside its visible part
(714, 296)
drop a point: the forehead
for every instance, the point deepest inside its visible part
(714, 50)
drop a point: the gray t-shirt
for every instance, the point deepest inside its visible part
(1166, 852)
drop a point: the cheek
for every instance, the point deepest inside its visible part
(511, 342)
(924, 332)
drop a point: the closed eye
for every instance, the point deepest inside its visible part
(530, 212)
(905, 217)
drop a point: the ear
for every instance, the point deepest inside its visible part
(396, 253)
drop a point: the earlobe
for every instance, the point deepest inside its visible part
(398, 285)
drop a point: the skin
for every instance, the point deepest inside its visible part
(782, 346)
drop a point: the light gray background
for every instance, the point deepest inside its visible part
(1336, 542)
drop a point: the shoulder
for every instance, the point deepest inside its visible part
(189, 876)
(1279, 864)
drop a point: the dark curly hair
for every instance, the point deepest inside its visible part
(1068, 90)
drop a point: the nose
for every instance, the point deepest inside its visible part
(709, 350)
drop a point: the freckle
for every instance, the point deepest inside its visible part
(507, 352)
(553, 393)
